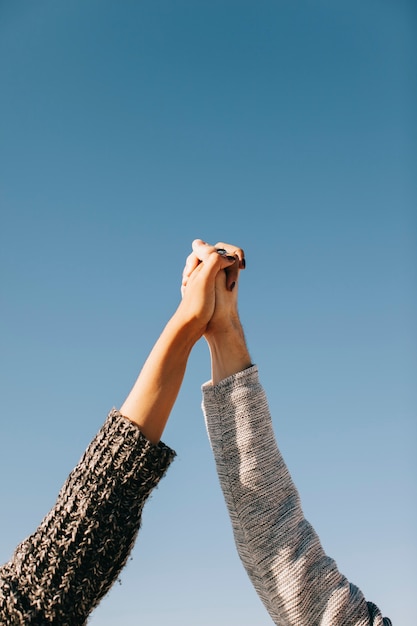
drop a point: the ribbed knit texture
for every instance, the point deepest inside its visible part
(298, 583)
(59, 574)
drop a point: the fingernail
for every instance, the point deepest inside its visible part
(230, 258)
(232, 286)
(243, 264)
(221, 251)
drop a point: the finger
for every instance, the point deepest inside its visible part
(202, 249)
(233, 254)
(194, 260)
(206, 259)
(235, 251)
(193, 266)
(190, 264)
(232, 275)
(232, 272)
(212, 254)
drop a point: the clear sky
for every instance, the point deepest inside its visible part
(127, 129)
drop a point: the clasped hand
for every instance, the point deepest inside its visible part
(209, 286)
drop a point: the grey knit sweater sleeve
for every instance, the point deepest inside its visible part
(298, 583)
(59, 574)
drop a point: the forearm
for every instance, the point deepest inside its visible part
(298, 583)
(154, 393)
(228, 351)
(59, 574)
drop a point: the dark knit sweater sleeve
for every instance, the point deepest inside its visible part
(299, 584)
(59, 574)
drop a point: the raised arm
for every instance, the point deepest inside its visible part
(60, 573)
(298, 583)
(155, 391)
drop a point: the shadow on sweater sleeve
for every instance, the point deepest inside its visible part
(297, 581)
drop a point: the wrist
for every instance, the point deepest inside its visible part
(188, 330)
(220, 327)
(228, 351)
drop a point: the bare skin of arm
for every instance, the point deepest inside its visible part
(153, 395)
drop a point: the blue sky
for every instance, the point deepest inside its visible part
(127, 130)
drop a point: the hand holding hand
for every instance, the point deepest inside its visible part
(222, 301)
(206, 273)
(223, 330)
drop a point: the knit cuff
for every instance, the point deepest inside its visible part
(248, 375)
(214, 396)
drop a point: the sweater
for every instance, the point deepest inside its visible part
(298, 583)
(60, 573)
